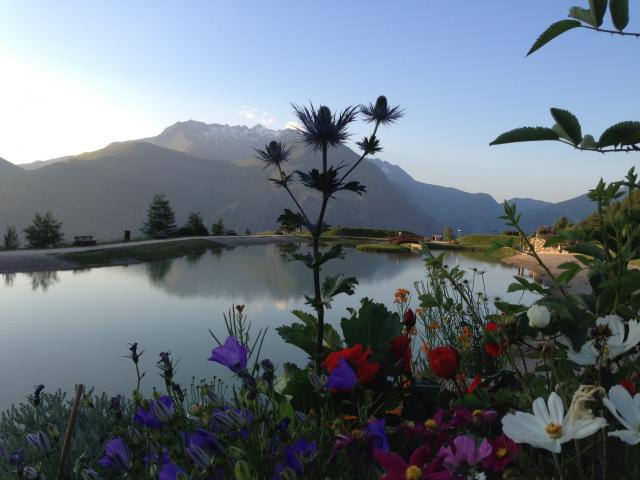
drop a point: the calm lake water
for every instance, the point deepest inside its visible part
(63, 328)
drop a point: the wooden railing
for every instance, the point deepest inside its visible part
(405, 238)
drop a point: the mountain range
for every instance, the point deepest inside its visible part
(211, 169)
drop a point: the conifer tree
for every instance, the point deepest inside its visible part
(161, 219)
(44, 232)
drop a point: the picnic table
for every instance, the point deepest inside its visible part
(83, 241)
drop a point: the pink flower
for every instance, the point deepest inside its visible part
(465, 450)
(504, 451)
(395, 467)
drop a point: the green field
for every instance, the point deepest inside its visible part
(140, 253)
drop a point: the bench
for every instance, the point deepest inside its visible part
(83, 241)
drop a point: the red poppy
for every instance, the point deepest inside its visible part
(401, 351)
(492, 326)
(477, 380)
(409, 318)
(493, 349)
(358, 358)
(628, 384)
(444, 361)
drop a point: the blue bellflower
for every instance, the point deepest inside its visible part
(232, 354)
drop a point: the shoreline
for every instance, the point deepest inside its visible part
(579, 284)
(29, 261)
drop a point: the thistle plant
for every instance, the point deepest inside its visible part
(321, 130)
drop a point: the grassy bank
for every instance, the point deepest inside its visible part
(383, 247)
(140, 253)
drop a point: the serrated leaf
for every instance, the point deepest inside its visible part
(582, 14)
(373, 326)
(619, 13)
(334, 285)
(552, 32)
(623, 133)
(598, 9)
(526, 134)
(588, 142)
(569, 124)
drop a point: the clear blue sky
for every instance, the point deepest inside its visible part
(78, 75)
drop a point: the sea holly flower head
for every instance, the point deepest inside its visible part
(232, 354)
(549, 427)
(117, 456)
(273, 154)
(381, 112)
(626, 409)
(610, 340)
(320, 128)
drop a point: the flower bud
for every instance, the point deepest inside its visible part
(316, 382)
(89, 474)
(53, 431)
(223, 421)
(539, 316)
(237, 418)
(300, 417)
(242, 471)
(409, 318)
(163, 411)
(40, 442)
(288, 474)
(201, 458)
(135, 435)
(31, 473)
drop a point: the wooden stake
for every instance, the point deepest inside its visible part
(70, 428)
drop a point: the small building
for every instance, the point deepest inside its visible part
(436, 237)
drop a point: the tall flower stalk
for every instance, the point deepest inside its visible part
(322, 130)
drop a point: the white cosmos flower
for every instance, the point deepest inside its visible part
(548, 427)
(616, 343)
(627, 410)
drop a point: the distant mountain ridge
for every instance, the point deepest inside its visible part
(211, 168)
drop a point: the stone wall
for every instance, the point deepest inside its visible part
(538, 245)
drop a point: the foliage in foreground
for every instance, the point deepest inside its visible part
(461, 386)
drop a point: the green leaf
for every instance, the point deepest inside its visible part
(582, 14)
(588, 142)
(552, 32)
(571, 269)
(598, 9)
(526, 134)
(524, 284)
(303, 335)
(590, 249)
(334, 285)
(569, 124)
(620, 13)
(623, 133)
(373, 326)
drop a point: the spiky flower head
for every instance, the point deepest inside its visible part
(274, 154)
(320, 128)
(380, 112)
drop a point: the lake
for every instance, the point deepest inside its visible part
(68, 327)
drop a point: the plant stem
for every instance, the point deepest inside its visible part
(556, 463)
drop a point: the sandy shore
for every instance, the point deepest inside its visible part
(579, 284)
(22, 261)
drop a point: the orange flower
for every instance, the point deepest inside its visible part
(401, 296)
(395, 411)
(350, 418)
(425, 347)
(420, 312)
(434, 326)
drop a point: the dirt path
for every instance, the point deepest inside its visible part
(579, 284)
(20, 261)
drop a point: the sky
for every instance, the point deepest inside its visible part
(75, 76)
